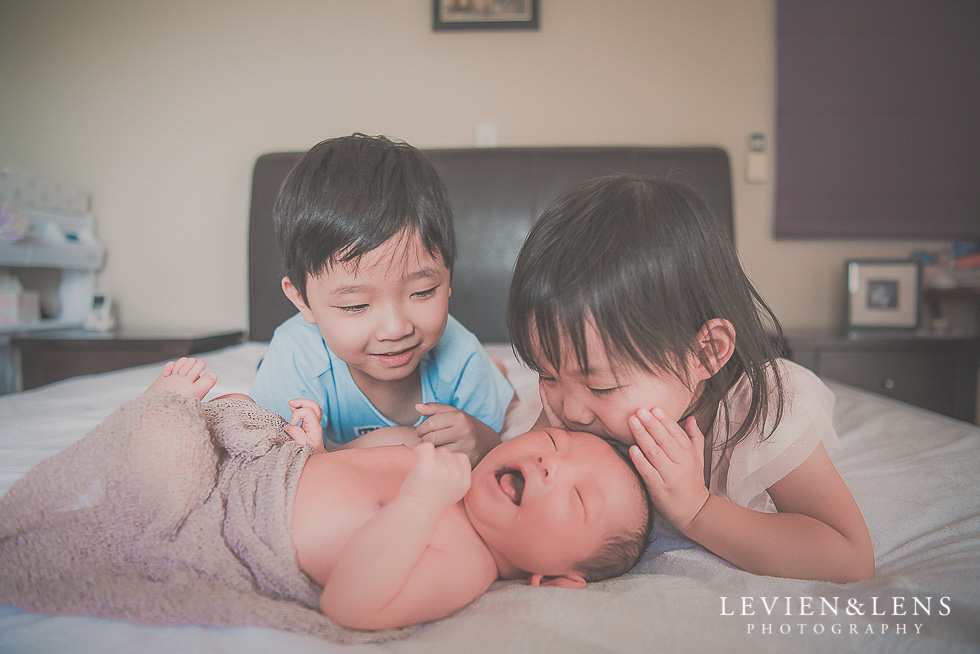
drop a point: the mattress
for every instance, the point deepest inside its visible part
(913, 473)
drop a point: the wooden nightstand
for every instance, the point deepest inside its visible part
(47, 357)
(939, 374)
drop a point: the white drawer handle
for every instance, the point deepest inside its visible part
(889, 383)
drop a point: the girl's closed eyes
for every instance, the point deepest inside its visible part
(599, 392)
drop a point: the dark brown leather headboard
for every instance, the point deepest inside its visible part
(496, 193)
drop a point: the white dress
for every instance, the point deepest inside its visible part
(743, 473)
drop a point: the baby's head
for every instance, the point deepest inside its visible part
(348, 196)
(558, 504)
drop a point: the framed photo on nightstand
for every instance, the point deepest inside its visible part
(882, 294)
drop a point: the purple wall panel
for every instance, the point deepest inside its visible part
(878, 119)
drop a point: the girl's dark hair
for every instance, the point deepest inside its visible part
(347, 196)
(650, 265)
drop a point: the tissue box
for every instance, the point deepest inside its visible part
(19, 308)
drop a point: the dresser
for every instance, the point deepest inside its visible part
(50, 356)
(939, 374)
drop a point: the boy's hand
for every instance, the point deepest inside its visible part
(304, 425)
(456, 430)
(438, 478)
(671, 463)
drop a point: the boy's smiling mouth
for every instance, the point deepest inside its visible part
(511, 482)
(396, 359)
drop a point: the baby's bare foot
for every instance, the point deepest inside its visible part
(184, 377)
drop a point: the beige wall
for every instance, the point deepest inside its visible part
(160, 107)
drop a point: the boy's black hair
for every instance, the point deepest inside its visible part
(650, 265)
(624, 549)
(346, 196)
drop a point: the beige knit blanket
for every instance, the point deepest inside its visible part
(170, 512)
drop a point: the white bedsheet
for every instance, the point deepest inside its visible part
(914, 474)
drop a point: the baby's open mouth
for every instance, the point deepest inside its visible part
(511, 481)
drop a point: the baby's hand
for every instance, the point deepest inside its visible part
(671, 463)
(438, 477)
(450, 428)
(304, 425)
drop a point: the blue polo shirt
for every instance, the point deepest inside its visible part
(457, 371)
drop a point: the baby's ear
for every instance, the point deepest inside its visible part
(297, 299)
(571, 580)
(713, 347)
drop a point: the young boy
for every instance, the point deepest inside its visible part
(378, 537)
(367, 238)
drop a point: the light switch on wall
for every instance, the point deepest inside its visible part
(486, 135)
(756, 160)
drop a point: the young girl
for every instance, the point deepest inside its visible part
(629, 301)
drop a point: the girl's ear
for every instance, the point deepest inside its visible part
(570, 580)
(294, 296)
(713, 347)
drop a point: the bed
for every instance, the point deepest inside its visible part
(914, 474)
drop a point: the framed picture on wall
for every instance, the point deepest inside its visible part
(883, 294)
(484, 14)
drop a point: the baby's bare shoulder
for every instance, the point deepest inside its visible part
(455, 536)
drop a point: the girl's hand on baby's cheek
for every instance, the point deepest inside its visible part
(671, 461)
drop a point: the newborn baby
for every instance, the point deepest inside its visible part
(397, 536)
